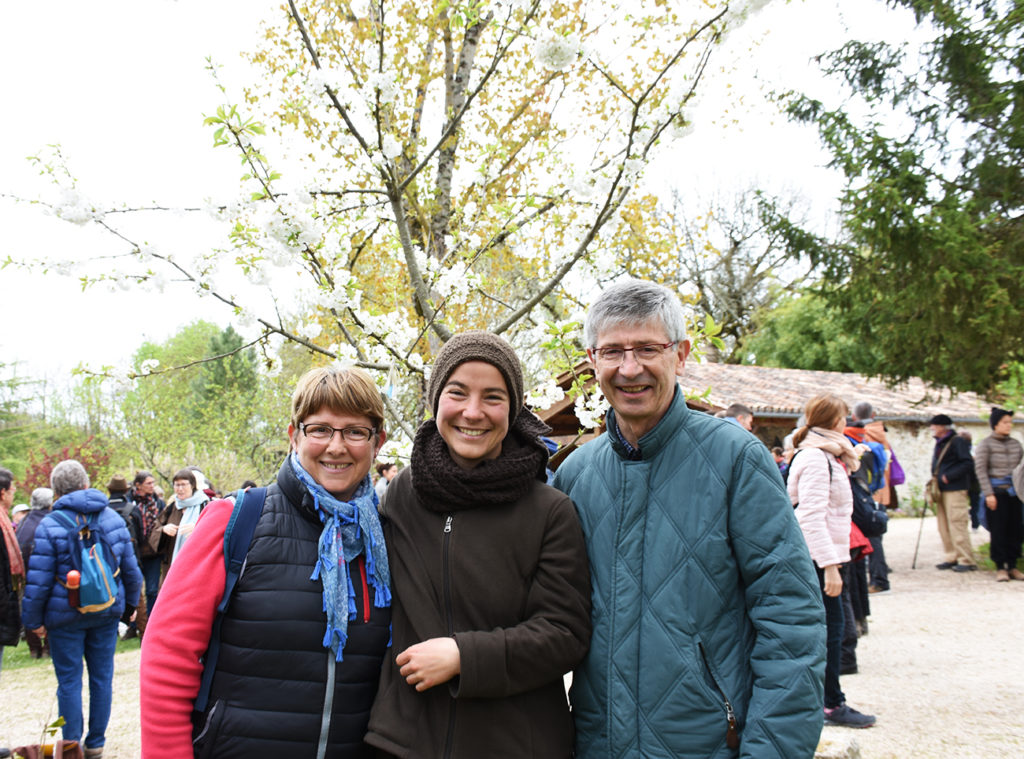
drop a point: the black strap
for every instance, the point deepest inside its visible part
(237, 538)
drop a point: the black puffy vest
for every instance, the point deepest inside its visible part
(268, 694)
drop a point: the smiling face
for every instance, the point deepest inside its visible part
(640, 393)
(472, 413)
(338, 464)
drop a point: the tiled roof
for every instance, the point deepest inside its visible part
(784, 392)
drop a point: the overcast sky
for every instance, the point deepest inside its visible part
(122, 87)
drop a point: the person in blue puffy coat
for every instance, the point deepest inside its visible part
(72, 634)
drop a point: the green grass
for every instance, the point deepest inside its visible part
(986, 563)
(18, 657)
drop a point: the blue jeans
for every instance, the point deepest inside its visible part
(151, 576)
(68, 645)
(833, 644)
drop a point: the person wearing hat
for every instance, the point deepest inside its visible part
(951, 468)
(18, 513)
(994, 461)
(491, 601)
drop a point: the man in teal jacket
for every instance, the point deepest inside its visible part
(709, 631)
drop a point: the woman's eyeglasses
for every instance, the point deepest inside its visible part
(323, 433)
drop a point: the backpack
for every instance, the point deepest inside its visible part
(872, 520)
(237, 538)
(872, 464)
(94, 559)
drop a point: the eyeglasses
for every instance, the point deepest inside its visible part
(323, 433)
(644, 354)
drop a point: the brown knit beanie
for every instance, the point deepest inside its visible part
(478, 345)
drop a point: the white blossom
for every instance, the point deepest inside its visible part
(545, 395)
(679, 128)
(590, 410)
(310, 330)
(391, 147)
(556, 52)
(149, 365)
(158, 281)
(385, 83)
(632, 167)
(74, 208)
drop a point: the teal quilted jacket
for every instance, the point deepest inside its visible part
(707, 613)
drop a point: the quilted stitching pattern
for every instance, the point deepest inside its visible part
(696, 545)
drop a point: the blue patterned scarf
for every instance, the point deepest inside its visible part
(350, 528)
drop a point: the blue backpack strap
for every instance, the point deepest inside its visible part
(237, 538)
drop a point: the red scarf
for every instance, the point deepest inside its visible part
(13, 549)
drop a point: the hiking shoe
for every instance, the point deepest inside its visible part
(946, 565)
(94, 753)
(1016, 574)
(875, 590)
(845, 716)
(965, 568)
(1002, 575)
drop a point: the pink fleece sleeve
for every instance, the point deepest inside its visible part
(177, 635)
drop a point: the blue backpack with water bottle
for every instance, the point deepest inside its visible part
(95, 561)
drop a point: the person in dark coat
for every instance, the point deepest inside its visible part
(151, 506)
(12, 569)
(49, 612)
(952, 466)
(302, 641)
(41, 503)
(121, 502)
(491, 581)
(10, 623)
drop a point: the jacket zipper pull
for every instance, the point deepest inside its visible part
(732, 736)
(448, 524)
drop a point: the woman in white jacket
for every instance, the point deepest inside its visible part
(819, 488)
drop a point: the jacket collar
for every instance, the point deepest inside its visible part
(652, 443)
(87, 501)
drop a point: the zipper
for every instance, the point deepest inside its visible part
(732, 735)
(366, 589)
(449, 619)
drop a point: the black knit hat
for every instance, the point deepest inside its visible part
(996, 415)
(941, 419)
(478, 345)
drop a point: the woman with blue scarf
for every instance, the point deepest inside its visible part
(306, 631)
(179, 518)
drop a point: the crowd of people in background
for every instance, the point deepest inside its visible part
(433, 610)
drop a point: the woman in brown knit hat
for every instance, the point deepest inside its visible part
(491, 587)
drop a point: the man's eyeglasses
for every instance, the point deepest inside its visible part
(642, 353)
(323, 433)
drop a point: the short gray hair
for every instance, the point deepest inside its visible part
(42, 498)
(67, 477)
(635, 301)
(862, 411)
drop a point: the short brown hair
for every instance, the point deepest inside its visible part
(185, 475)
(821, 411)
(343, 391)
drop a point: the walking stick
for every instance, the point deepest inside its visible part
(920, 529)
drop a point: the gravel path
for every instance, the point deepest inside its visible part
(942, 667)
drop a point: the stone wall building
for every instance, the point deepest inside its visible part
(777, 398)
